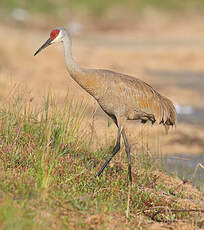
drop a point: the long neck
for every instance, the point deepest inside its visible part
(90, 82)
(75, 71)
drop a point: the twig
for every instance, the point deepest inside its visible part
(172, 210)
(187, 210)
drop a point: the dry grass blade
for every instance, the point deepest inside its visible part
(196, 169)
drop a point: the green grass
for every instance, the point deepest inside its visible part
(98, 8)
(47, 173)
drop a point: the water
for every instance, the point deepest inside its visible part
(187, 79)
(194, 118)
(184, 166)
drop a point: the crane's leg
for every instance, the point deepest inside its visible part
(115, 150)
(127, 149)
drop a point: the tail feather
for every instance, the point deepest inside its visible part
(163, 110)
(169, 112)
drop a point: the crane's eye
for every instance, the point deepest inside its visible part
(54, 34)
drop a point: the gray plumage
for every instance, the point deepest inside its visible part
(121, 96)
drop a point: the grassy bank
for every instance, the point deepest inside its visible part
(47, 175)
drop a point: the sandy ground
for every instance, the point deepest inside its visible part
(174, 48)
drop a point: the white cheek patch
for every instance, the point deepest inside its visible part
(58, 38)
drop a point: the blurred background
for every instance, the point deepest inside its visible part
(160, 42)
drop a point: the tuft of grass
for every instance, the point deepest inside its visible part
(32, 138)
(47, 174)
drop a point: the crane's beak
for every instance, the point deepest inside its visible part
(46, 44)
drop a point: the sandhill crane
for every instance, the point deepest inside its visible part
(120, 96)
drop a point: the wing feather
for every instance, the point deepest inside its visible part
(133, 96)
(141, 97)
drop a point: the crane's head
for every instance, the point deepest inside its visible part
(56, 35)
